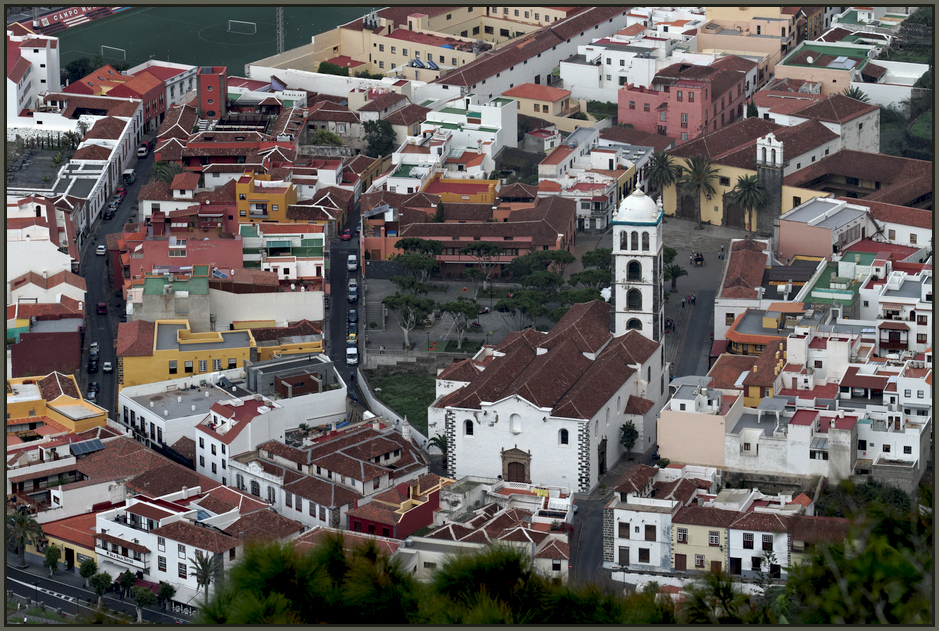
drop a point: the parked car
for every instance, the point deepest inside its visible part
(352, 355)
(109, 215)
(93, 354)
(346, 235)
(93, 346)
(93, 387)
(102, 307)
(353, 328)
(353, 295)
(93, 365)
(107, 367)
(101, 250)
(353, 316)
(121, 191)
(92, 396)
(143, 150)
(352, 263)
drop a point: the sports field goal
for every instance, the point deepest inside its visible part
(112, 52)
(239, 27)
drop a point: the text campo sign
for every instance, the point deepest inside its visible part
(65, 14)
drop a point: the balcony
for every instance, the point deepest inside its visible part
(893, 345)
(120, 557)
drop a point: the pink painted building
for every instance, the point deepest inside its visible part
(685, 101)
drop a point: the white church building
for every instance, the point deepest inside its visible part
(547, 408)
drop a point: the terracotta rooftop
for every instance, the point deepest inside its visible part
(263, 525)
(837, 108)
(135, 338)
(200, 537)
(537, 92)
(636, 479)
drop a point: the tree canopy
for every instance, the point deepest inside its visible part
(381, 138)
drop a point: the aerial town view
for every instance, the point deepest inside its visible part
(351, 315)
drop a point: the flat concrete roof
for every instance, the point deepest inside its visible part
(166, 339)
(909, 289)
(56, 326)
(178, 403)
(749, 420)
(76, 412)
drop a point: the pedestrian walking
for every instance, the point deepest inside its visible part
(691, 259)
(682, 303)
(694, 299)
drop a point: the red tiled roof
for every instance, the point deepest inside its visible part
(637, 405)
(199, 537)
(704, 516)
(186, 181)
(727, 369)
(464, 370)
(537, 92)
(263, 525)
(92, 152)
(837, 108)
(761, 522)
(382, 101)
(892, 213)
(408, 115)
(135, 338)
(818, 529)
(726, 139)
(636, 479)
(743, 274)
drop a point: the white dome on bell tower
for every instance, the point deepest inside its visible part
(638, 208)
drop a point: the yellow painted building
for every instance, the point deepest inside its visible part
(308, 344)
(40, 405)
(259, 198)
(459, 190)
(700, 539)
(168, 349)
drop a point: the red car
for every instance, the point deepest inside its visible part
(346, 235)
(121, 191)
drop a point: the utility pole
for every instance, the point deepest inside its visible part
(279, 12)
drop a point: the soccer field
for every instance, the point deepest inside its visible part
(199, 35)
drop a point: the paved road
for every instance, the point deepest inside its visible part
(100, 288)
(338, 310)
(73, 600)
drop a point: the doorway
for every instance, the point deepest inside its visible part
(69, 559)
(601, 457)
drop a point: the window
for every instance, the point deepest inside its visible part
(504, 32)
(684, 135)
(684, 120)
(921, 338)
(201, 443)
(161, 563)
(724, 181)
(563, 437)
(682, 535)
(729, 318)
(213, 467)
(907, 393)
(748, 540)
(404, 52)
(912, 238)
(624, 530)
(216, 364)
(516, 12)
(322, 513)
(182, 571)
(181, 550)
(232, 363)
(213, 449)
(650, 532)
(202, 365)
(699, 560)
(921, 319)
(173, 367)
(662, 116)
(768, 543)
(886, 449)
(643, 555)
(862, 445)
(161, 544)
(678, 98)
(756, 563)
(271, 494)
(468, 428)
(255, 488)
(429, 565)
(556, 565)
(632, 105)
(202, 461)
(714, 538)
(188, 366)
(691, 97)
(919, 394)
(381, 64)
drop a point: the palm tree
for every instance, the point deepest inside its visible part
(697, 179)
(165, 171)
(749, 194)
(204, 568)
(663, 171)
(716, 599)
(673, 272)
(440, 442)
(857, 94)
(22, 530)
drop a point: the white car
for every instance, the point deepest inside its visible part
(352, 356)
(352, 263)
(101, 250)
(107, 367)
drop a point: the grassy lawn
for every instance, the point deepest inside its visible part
(910, 55)
(471, 347)
(923, 126)
(41, 613)
(407, 395)
(892, 136)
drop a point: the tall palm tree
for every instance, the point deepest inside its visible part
(749, 194)
(663, 171)
(698, 179)
(165, 171)
(857, 94)
(204, 568)
(673, 272)
(22, 530)
(440, 442)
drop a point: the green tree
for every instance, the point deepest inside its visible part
(592, 279)
(53, 554)
(663, 172)
(165, 593)
(521, 309)
(542, 280)
(410, 285)
(440, 213)
(418, 266)
(408, 310)
(698, 179)
(327, 68)
(463, 312)
(87, 569)
(628, 434)
(22, 530)
(77, 69)
(475, 276)
(856, 93)
(204, 569)
(668, 254)
(143, 597)
(715, 599)
(523, 265)
(752, 111)
(484, 253)
(440, 442)
(557, 313)
(600, 258)
(673, 272)
(560, 259)
(125, 581)
(381, 138)
(101, 583)
(750, 195)
(324, 137)
(416, 245)
(574, 296)
(165, 171)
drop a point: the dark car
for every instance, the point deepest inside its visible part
(93, 365)
(94, 387)
(353, 315)
(353, 328)
(94, 354)
(346, 235)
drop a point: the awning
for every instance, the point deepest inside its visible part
(135, 547)
(891, 306)
(897, 326)
(819, 443)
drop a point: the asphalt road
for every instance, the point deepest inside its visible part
(100, 288)
(338, 311)
(72, 600)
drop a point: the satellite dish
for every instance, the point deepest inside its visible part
(809, 60)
